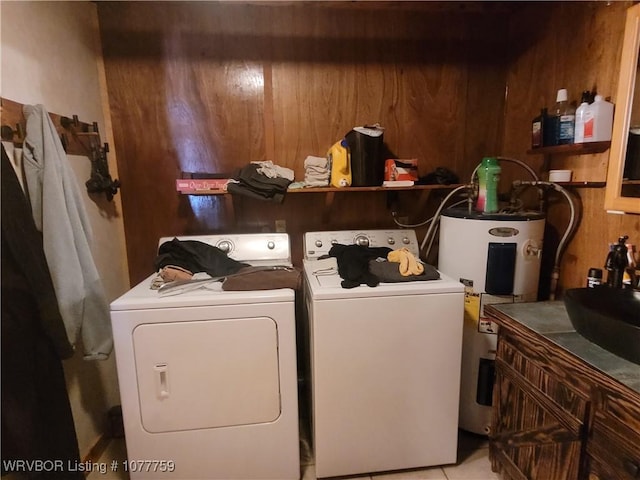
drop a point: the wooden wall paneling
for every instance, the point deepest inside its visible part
(400, 79)
(485, 91)
(187, 97)
(594, 34)
(590, 34)
(204, 86)
(590, 246)
(530, 82)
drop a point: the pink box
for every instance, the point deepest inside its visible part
(189, 185)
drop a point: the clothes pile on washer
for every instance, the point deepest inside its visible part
(357, 265)
(180, 262)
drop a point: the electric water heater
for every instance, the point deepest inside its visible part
(497, 258)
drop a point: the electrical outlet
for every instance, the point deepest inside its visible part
(281, 226)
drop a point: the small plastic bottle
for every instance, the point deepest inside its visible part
(537, 129)
(565, 116)
(628, 279)
(488, 179)
(598, 121)
(580, 116)
(594, 278)
(549, 129)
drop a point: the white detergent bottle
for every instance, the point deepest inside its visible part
(581, 111)
(598, 121)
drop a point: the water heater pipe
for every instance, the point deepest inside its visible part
(555, 274)
(430, 235)
(436, 217)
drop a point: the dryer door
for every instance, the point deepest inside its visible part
(207, 374)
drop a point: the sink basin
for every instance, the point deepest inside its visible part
(608, 317)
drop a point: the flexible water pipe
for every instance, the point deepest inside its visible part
(394, 217)
(436, 218)
(555, 274)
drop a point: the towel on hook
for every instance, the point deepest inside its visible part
(59, 213)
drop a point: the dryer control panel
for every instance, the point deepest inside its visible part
(254, 248)
(317, 244)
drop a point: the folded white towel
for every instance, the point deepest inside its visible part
(312, 161)
(272, 170)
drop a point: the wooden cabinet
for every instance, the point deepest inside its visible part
(613, 449)
(555, 415)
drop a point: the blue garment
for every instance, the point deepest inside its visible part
(58, 211)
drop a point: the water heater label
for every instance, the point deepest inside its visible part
(503, 232)
(471, 305)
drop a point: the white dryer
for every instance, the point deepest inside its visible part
(207, 378)
(384, 363)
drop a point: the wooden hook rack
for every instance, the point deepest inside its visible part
(77, 138)
(14, 124)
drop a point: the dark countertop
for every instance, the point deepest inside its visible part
(550, 320)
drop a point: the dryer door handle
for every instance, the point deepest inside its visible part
(162, 380)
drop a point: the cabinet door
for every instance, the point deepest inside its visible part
(614, 443)
(538, 420)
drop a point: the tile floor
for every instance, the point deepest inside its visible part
(473, 463)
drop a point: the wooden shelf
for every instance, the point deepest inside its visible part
(330, 193)
(371, 189)
(573, 149)
(583, 184)
(338, 190)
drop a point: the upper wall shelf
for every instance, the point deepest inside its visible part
(573, 149)
(342, 189)
(330, 192)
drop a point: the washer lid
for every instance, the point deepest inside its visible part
(143, 297)
(325, 287)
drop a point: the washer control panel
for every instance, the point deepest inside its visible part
(317, 244)
(253, 248)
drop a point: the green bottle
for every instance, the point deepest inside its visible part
(488, 179)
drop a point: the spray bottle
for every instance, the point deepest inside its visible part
(488, 179)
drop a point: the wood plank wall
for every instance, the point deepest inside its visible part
(577, 47)
(211, 86)
(204, 86)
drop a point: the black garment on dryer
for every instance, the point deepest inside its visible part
(196, 257)
(353, 263)
(259, 186)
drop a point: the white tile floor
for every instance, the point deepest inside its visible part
(473, 464)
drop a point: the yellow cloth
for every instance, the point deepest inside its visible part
(409, 264)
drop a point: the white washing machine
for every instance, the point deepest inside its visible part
(207, 378)
(384, 363)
